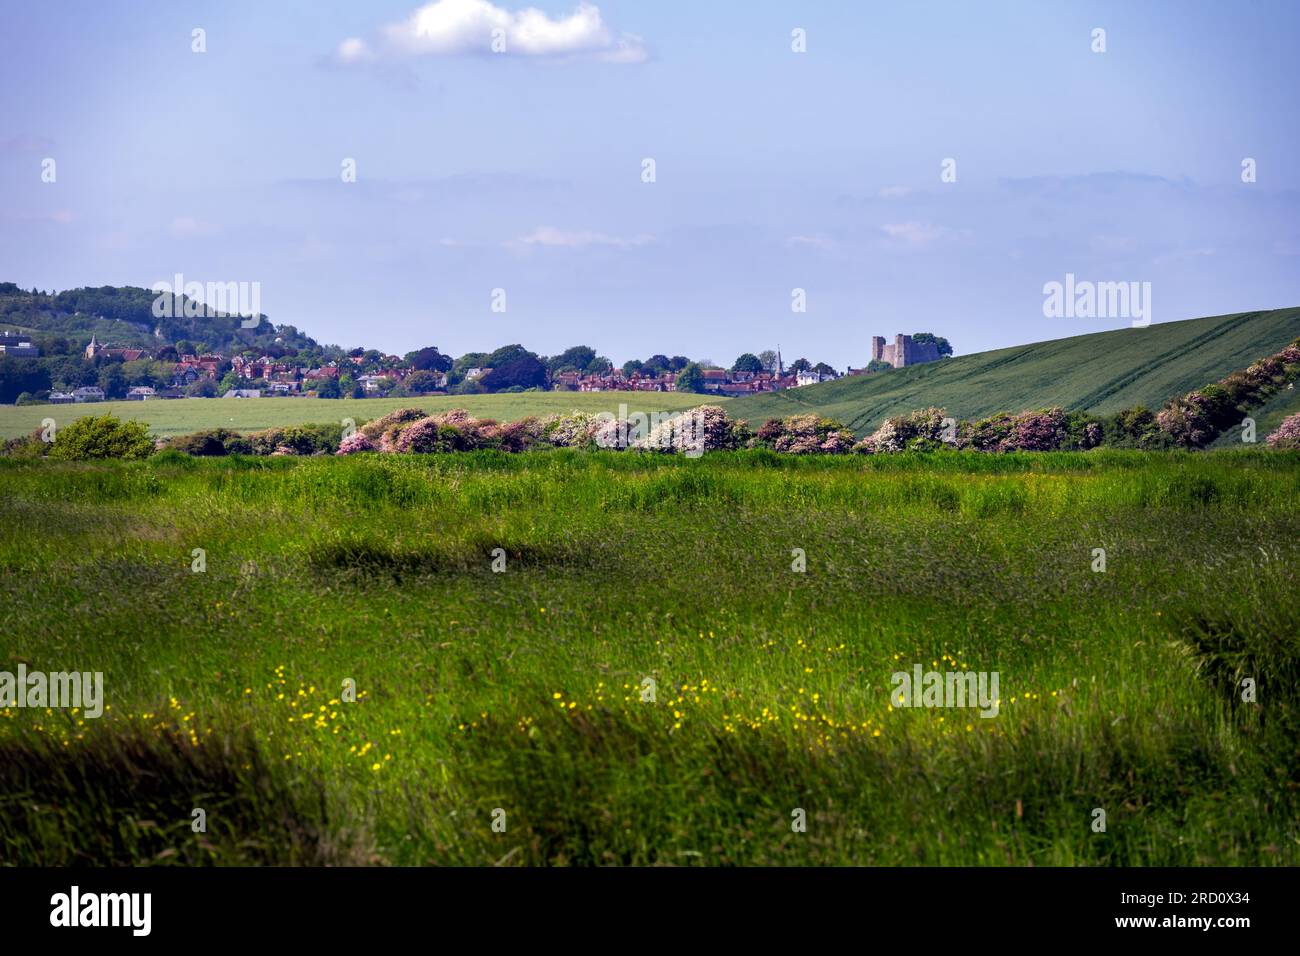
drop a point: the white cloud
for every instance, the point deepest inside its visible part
(550, 236)
(823, 243)
(917, 234)
(354, 50)
(453, 27)
(895, 192)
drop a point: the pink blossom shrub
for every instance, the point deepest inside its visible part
(356, 442)
(402, 416)
(430, 435)
(805, 435)
(1040, 431)
(922, 429)
(1287, 434)
(577, 430)
(697, 430)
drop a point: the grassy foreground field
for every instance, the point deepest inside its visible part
(517, 697)
(1103, 373)
(184, 416)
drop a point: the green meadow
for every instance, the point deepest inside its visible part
(183, 416)
(647, 676)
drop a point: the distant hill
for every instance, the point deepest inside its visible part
(1101, 372)
(124, 316)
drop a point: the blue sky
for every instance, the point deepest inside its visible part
(775, 170)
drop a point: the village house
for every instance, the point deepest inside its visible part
(141, 393)
(96, 349)
(205, 366)
(88, 393)
(61, 398)
(811, 377)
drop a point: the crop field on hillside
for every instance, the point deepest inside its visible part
(576, 657)
(1102, 373)
(183, 416)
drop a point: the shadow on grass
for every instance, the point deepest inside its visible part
(127, 796)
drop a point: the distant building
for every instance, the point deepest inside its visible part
(903, 352)
(62, 398)
(94, 348)
(141, 393)
(810, 377)
(713, 379)
(243, 393)
(87, 393)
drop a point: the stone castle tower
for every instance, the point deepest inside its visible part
(903, 352)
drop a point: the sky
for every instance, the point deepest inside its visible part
(523, 169)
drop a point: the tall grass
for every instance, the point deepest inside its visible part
(520, 690)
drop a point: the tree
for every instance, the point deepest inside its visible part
(659, 363)
(576, 357)
(103, 437)
(329, 388)
(678, 362)
(112, 381)
(468, 361)
(600, 365)
(768, 358)
(821, 368)
(748, 362)
(418, 383)
(690, 379)
(632, 367)
(938, 340)
(509, 353)
(429, 359)
(228, 381)
(525, 371)
(21, 375)
(876, 365)
(203, 388)
(800, 365)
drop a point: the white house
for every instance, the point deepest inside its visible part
(88, 393)
(141, 393)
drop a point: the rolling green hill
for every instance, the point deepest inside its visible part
(1102, 372)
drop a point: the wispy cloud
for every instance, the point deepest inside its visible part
(916, 235)
(820, 242)
(550, 236)
(459, 27)
(895, 192)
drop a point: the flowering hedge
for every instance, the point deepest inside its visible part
(1287, 434)
(1192, 420)
(1197, 418)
